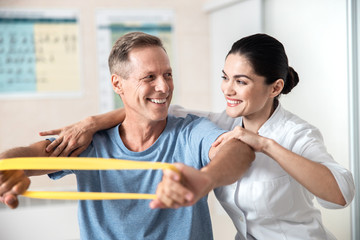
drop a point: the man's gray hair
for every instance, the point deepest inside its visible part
(119, 55)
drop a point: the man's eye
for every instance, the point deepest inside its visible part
(223, 78)
(149, 77)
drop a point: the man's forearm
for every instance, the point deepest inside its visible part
(34, 150)
(230, 163)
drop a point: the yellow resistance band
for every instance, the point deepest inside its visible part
(68, 163)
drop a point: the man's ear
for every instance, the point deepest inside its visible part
(277, 87)
(116, 82)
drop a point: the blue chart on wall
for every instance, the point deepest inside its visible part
(39, 53)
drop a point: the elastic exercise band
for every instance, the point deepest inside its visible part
(68, 163)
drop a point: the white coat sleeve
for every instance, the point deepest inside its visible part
(346, 184)
(221, 119)
(179, 111)
(315, 150)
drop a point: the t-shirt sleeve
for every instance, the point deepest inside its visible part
(202, 133)
(59, 174)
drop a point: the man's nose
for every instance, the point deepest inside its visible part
(162, 85)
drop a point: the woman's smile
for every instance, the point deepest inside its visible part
(233, 102)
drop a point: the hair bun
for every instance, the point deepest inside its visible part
(291, 81)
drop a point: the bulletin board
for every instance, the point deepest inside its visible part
(111, 24)
(39, 53)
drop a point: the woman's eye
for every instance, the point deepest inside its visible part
(240, 82)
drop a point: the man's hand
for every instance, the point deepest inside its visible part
(12, 183)
(15, 182)
(176, 191)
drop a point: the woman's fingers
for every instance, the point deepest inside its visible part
(50, 132)
(60, 145)
(54, 144)
(77, 152)
(217, 142)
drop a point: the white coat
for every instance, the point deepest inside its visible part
(267, 203)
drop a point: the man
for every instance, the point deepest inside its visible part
(142, 76)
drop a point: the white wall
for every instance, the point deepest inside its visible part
(55, 221)
(229, 21)
(314, 36)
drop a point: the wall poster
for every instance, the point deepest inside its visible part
(39, 53)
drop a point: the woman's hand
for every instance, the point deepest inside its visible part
(255, 141)
(72, 140)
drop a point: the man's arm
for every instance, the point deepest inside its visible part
(231, 160)
(16, 182)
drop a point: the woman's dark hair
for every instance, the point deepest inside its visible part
(268, 59)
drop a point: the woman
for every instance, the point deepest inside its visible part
(274, 198)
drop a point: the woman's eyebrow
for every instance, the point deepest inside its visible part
(238, 75)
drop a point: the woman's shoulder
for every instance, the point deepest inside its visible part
(294, 121)
(285, 124)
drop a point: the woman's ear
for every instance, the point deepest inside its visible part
(116, 82)
(277, 87)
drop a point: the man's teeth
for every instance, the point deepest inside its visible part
(233, 102)
(158, 100)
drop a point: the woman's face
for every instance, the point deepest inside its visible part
(245, 92)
